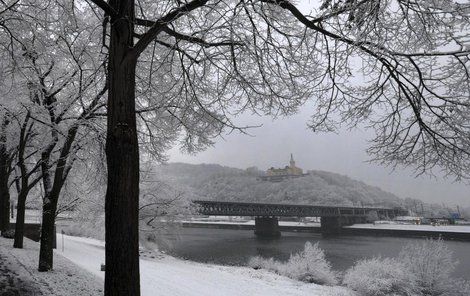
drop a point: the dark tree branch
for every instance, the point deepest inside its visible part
(161, 23)
(106, 8)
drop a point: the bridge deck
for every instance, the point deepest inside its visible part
(227, 208)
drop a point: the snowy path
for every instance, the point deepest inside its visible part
(170, 276)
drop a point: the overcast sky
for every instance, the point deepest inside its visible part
(343, 153)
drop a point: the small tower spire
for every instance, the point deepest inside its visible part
(292, 162)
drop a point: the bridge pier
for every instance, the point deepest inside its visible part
(267, 227)
(330, 225)
(333, 225)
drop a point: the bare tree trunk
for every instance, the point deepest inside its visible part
(122, 195)
(52, 189)
(48, 212)
(4, 192)
(20, 217)
(22, 184)
(46, 253)
(4, 174)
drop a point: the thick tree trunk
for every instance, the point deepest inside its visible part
(49, 208)
(122, 195)
(20, 216)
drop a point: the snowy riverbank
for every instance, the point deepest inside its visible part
(170, 276)
(19, 275)
(248, 222)
(440, 228)
(411, 227)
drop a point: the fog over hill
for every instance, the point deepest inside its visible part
(216, 182)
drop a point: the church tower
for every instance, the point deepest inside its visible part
(292, 162)
(279, 174)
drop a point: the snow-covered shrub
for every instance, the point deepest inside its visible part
(457, 287)
(431, 263)
(308, 265)
(380, 277)
(256, 262)
(423, 268)
(270, 264)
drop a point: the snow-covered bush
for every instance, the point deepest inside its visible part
(270, 264)
(457, 287)
(308, 265)
(381, 277)
(432, 264)
(423, 268)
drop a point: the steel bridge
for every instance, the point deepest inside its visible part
(227, 208)
(266, 214)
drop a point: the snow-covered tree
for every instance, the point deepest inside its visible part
(6, 159)
(56, 62)
(400, 65)
(27, 167)
(162, 205)
(430, 261)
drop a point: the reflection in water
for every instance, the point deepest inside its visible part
(235, 247)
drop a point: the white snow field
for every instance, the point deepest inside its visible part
(165, 275)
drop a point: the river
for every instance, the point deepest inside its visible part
(235, 247)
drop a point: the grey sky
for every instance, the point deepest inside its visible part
(342, 153)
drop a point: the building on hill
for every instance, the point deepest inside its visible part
(290, 170)
(279, 174)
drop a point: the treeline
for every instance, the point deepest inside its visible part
(215, 182)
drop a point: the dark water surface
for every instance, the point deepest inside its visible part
(236, 247)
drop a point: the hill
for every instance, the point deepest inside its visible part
(216, 182)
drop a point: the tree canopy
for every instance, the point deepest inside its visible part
(181, 72)
(400, 67)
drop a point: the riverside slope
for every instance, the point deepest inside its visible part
(165, 275)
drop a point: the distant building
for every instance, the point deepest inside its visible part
(408, 220)
(279, 174)
(289, 170)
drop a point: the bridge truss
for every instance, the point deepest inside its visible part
(223, 208)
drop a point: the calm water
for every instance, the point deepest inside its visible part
(235, 247)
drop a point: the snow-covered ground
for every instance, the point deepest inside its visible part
(19, 275)
(441, 228)
(165, 275)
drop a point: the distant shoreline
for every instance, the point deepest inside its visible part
(461, 233)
